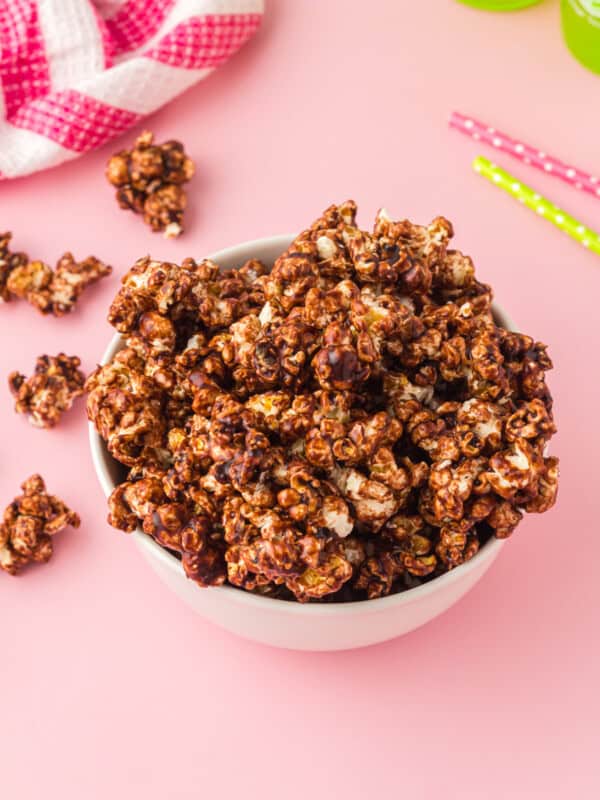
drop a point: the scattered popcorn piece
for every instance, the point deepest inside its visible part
(28, 525)
(50, 391)
(8, 262)
(149, 180)
(56, 291)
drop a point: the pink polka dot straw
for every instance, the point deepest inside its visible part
(525, 153)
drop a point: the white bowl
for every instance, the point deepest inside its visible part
(330, 626)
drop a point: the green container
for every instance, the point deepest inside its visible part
(581, 29)
(499, 5)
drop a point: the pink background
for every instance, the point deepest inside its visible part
(110, 686)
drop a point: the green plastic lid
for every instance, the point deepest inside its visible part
(499, 5)
(581, 29)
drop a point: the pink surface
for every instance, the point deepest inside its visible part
(111, 688)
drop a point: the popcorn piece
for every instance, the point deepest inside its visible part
(452, 486)
(8, 262)
(126, 407)
(479, 426)
(327, 577)
(29, 280)
(504, 519)
(135, 500)
(349, 425)
(334, 515)
(187, 294)
(531, 421)
(374, 502)
(149, 180)
(380, 571)
(55, 291)
(546, 488)
(50, 391)
(513, 469)
(456, 545)
(28, 525)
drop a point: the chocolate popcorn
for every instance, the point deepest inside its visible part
(55, 291)
(50, 391)
(29, 525)
(149, 180)
(351, 424)
(8, 262)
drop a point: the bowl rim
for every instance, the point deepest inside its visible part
(152, 549)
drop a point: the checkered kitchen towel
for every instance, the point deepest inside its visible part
(76, 73)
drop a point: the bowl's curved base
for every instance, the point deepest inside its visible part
(327, 627)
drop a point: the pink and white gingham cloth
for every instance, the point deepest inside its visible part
(76, 73)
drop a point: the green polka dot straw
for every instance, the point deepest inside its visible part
(571, 226)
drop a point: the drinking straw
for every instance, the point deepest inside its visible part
(529, 197)
(526, 153)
